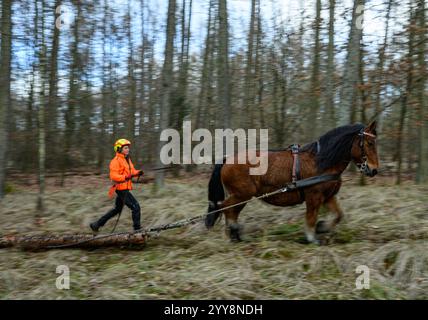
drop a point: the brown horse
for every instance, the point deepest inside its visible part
(330, 154)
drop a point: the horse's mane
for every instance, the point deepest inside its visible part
(334, 146)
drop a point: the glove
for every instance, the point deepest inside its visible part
(128, 176)
(140, 173)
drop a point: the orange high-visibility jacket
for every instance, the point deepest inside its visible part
(120, 167)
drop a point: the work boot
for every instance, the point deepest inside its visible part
(94, 226)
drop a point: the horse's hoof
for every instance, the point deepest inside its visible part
(322, 227)
(234, 233)
(316, 242)
(210, 219)
(323, 239)
(235, 237)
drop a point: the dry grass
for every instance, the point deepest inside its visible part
(386, 228)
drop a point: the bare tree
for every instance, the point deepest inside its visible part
(52, 103)
(131, 98)
(223, 77)
(5, 77)
(70, 118)
(422, 49)
(381, 63)
(315, 76)
(408, 89)
(330, 78)
(104, 97)
(205, 91)
(249, 85)
(180, 103)
(166, 82)
(42, 59)
(350, 77)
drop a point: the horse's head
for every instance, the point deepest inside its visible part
(364, 150)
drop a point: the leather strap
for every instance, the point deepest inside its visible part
(315, 180)
(297, 182)
(296, 173)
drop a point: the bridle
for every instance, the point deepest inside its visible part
(363, 166)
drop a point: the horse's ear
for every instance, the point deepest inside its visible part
(371, 127)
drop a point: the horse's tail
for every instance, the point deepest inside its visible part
(215, 196)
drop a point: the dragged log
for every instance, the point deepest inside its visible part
(89, 241)
(7, 241)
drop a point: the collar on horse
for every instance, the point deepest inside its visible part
(297, 183)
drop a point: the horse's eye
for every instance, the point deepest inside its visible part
(371, 143)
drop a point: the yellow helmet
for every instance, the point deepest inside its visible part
(120, 143)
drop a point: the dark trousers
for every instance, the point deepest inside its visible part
(123, 197)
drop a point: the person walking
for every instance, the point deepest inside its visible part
(121, 172)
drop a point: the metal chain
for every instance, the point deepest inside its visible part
(188, 221)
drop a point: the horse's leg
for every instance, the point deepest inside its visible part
(231, 215)
(313, 204)
(334, 207)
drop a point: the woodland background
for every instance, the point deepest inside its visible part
(77, 75)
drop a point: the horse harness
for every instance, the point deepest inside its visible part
(296, 177)
(297, 183)
(296, 171)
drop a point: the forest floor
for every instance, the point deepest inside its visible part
(385, 228)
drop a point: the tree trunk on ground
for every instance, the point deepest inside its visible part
(44, 242)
